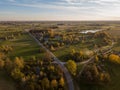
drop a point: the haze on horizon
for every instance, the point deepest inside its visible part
(59, 10)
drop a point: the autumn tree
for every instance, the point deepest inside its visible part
(54, 83)
(51, 33)
(52, 48)
(73, 52)
(114, 58)
(61, 82)
(8, 65)
(2, 63)
(72, 67)
(93, 74)
(47, 57)
(2, 55)
(51, 68)
(45, 84)
(104, 77)
(18, 63)
(96, 58)
(17, 74)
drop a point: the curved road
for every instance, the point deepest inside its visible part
(91, 59)
(66, 73)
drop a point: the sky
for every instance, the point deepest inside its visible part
(80, 10)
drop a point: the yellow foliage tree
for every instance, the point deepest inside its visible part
(61, 82)
(17, 74)
(19, 62)
(96, 58)
(114, 58)
(1, 64)
(72, 67)
(52, 48)
(54, 83)
(45, 83)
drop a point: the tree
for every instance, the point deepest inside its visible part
(45, 83)
(58, 44)
(54, 83)
(52, 48)
(51, 33)
(47, 57)
(90, 74)
(81, 55)
(114, 58)
(62, 44)
(61, 82)
(73, 52)
(104, 77)
(18, 63)
(2, 55)
(17, 74)
(51, 68)
(94, 71)
(96, 58)
(1, 64)
(8, 65)
(72, 67)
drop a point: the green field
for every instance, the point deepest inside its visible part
(23, 46)
(115, 33)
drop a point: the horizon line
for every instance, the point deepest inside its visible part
(51, 20)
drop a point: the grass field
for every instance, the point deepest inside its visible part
(115, 33)
(23, 46)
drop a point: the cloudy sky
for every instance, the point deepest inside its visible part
(59, 10)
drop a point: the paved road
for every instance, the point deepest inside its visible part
(66, 73)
